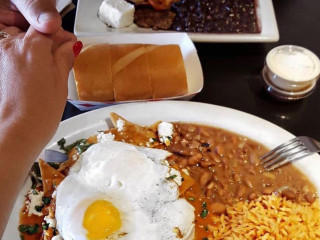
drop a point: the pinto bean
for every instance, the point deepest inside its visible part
(207, 163)
(289, 194)
(310, 197)
(183, 163)
(205, 178)
(194, 144)
(248, 182)
(195, 159)
(267, 191)
(217, 208)
(220, 149)
(252, 196)
(241, 191)
(254, 159)
(210, 193)
(210, 185)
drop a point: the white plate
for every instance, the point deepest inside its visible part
(88, 23)
(189, 53)
(146, 113)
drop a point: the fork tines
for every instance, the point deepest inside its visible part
(286, 152)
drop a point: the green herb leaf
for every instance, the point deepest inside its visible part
(29, 229)
(204, 205)
(172, 177)
(204, 213)
(61, 143)
(191, 199)
(45, 226)
(46, 200)
(80, 144)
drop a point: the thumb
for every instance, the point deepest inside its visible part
(63, 59)
(41, 14)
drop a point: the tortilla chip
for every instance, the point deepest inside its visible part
(130, 132)
(51, 178)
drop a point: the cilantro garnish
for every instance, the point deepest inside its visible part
(172, 177)
(82, 145)
(46, 200)
(205, 211)
(29, 229)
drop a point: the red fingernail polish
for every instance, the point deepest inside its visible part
(77, 48)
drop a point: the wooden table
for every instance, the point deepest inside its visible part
(232, 72)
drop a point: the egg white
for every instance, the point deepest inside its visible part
(134, 180)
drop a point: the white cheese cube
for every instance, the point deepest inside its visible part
(116, 13)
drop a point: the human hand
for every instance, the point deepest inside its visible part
(40, 14)
(33, 88)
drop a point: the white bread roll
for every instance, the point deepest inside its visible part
(167, 72)
(131, 78)
(92, 73)
(125, 72)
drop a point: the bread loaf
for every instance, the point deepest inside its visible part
(123, 72)
(166, 69)
(130, 73)
(92, 72)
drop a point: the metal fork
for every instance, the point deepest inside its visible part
(292, 150)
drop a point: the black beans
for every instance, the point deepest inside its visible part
(219, 16)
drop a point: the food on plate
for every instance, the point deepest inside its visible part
(212, 16)
(282, 218)
(217, 16)
(207, 16)
(116, 13)
(124, 72)
(180, 180)
(161, 4)
(148, 17)
(118, 191)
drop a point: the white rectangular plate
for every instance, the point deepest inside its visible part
(189, 53)
(88, 23)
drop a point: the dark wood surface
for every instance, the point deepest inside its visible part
(232, 72)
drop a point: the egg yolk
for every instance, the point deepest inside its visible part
(101, 219)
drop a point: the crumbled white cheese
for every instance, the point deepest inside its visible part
(185, 171)
(116, 13)
(165, 131)
(175, 175)
(51, 221)
(120, 125)
(105, 137)
(34, 199)
(54, 194)
(57, 237)
(74, 157)
(166, 163)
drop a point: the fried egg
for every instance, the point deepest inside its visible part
(120, 191)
